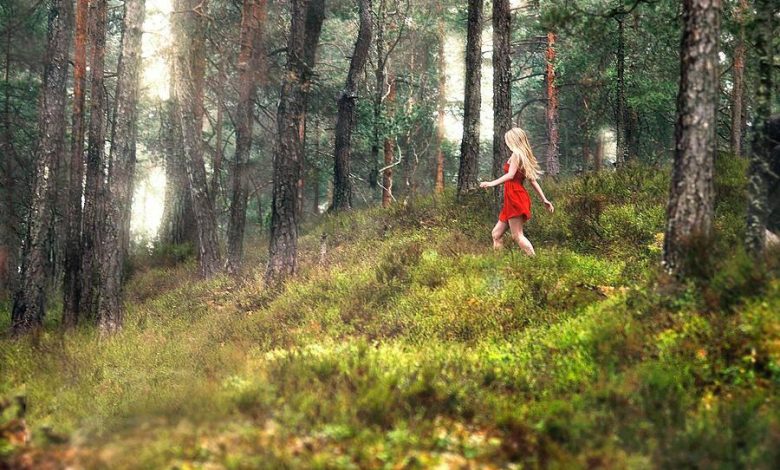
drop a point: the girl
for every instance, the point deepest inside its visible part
(517, 204)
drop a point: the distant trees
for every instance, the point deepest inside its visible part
(553, 163)
(690, 209)
(188, 79)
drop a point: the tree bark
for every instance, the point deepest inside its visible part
(738, 89)
(96, 164)
(249, 64)
(759, 174)
(620, 111)
(345, 121)
(189, 75)
(441, 103)
(379, 92)
(468, 173)
(690, 210)
(29, 306)
(389, 148)
(306, 24)
(553, 162)
(72, 284)
(119, 190)
(502, 88)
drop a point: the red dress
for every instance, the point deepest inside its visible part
(517, 202)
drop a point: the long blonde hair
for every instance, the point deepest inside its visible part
(517, 141)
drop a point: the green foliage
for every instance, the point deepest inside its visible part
(412, 343)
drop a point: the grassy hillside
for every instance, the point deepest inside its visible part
(411, 344)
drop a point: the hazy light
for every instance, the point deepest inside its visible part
(157, 40)
(148, 203)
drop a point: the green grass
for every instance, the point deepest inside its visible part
(413, 344)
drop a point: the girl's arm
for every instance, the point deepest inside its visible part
(538, 189)
(505, 178)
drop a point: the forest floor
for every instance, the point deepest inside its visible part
(411, 344)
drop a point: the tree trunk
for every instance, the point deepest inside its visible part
(306, 24)
(553, 162)
(389, 149)
(379, 92)
(29, 306)
(345, 121)
(93, 192)
(502, 88)
(441, 103)
(72, 284)
(620, 112)
(119, 190)
(738, 89)
(189, 66)
(249, 64)
(468, 173)
(759, 174)
(690, 210)
(316, 178)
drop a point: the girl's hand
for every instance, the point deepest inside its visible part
(549, 206)
(485, 184)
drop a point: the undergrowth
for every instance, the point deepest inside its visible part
(410, 343)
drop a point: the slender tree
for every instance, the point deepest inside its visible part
(345, 121)
(469, 148)
(72, 284)
(759, 174)
(249, 67)
(305, 27)
(29, 306)
(553, 161)
(119, 190)
(620, 84)
(502, 86)
(690, 209)
(389, 145)
(738, 88)
(441, 103)
(189, 66)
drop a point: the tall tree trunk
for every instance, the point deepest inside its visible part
(188, 84)
(620, 111)
(468, 173)
(345, 121)
(93, 192)
(249, 64)
(177, 226)
(9, 241)
(119, 192)
(72, 284)
(441, 103)
(690, 210)
(759, 173)
(738, 89)
(379, 92)
(306, 24)
(316, 178)
(502, 87)
(389, 148)
(553, 162)
(29, 306)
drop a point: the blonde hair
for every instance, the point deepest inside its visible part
(517, 141)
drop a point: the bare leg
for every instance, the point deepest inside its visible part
(516, 226)
(498, 233)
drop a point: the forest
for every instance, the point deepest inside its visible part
(241, 234)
